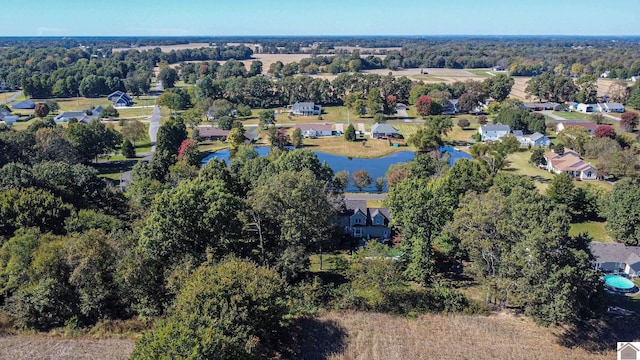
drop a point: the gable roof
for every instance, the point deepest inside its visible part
(360, 206)
(302, 106)
(612, 106)
(210, 131)
(536, 136)
(119, 96)
(383, 129)
(517, 133)
(27, 104)
(613, 252)
(496, 128)
(568, 161)
(319, 127)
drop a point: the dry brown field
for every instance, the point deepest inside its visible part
(27, 347)
(355, 335)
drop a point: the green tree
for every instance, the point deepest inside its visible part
(374, 101)
(537, 157)
(133, 130)
(296, 138)
(236, 137)
(231, 310)
(297, 216)
(350, 133)
(499, 86)
(267, 118)
(379, 184)
(93, 139)
(109, 112)
(31, 207)
(168, 76)
(416, 211)
(127, 149)
(341, 181)
(575, 138)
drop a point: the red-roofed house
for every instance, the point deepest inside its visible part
(591, 127)
(570, 163)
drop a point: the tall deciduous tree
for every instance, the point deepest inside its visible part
(168, 76)
(361, 179)
(423, 106)
(622, 212)
(41, 110)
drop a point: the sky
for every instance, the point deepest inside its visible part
(323, 17)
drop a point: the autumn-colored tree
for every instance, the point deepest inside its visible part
(605, 131)
(188, 152)
(423, 106)
(41, 110)
(361, 179)
(628, 121)
(390, 104)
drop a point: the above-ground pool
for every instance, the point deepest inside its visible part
(618, 283)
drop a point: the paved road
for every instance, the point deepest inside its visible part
(401, 110)
(11, 99)
(364, 196)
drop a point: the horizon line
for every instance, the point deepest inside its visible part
(322, 35)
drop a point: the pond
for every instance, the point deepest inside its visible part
(375, 167)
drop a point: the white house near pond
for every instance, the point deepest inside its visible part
(493, 132)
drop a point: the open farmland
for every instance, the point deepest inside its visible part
(23, 347)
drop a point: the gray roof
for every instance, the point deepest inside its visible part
(383, 129)
(536, 136)
(517, 133)
(27, 104)
(303, 106)
(614, 106)
(613, 252)
(634, 262)
(498, 127)
(361, 205)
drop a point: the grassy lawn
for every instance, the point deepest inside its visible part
(113, 169)
(594, 228)
(572, 115)
(328, 261)
(132, 113)
(212, 146)
(375, 203)
(480, 72)
(359, 149)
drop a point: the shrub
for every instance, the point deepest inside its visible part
(463, 123)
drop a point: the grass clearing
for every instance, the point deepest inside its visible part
(594, 228)
(113, 169)
(572, 115)
(358, 149)
(481, 72)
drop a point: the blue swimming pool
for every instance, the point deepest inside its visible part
(618, 283)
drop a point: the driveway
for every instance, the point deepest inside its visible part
(550, 114)
(11, 99)
(401, 110)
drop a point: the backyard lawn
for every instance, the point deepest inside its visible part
(594, 228)
(572, 115)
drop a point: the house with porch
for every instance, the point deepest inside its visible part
(616, 257)
(361, 221)
(571, 163)
(316, 130)
(305, 109)
(120, 99)
(82, 116)
(383, 131)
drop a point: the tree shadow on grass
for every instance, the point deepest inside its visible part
(601, 335)
(314, 339)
